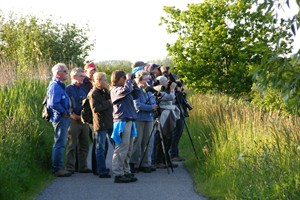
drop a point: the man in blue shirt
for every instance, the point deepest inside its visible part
(78, 133)
(58, 105)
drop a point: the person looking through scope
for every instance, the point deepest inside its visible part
(167, 115)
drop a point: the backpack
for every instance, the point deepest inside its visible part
(45, 113)
(86, 112)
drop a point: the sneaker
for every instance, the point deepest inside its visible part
(122, 179)
(131, 177)
(106, 175)
(62, 173)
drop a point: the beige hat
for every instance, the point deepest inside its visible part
(161, 79)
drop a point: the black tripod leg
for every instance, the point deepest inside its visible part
(190, 138)
(146, 148)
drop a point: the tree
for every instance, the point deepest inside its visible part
(29, 41)
(221, 42)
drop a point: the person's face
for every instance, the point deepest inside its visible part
(143, 81)
(62, 74)
(165, 83)
(156, 72)
(122, 80)
(102, 82)
(79, 78)
(90, 72)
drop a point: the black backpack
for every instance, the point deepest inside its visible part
(45, 113)
(86, 112)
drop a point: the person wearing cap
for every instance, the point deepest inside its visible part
(167, 117)
(138, 64)
(145, 106)
(89, 70)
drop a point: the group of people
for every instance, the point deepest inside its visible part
(140, 113)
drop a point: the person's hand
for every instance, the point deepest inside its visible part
(154, 107)
(128, 76)
(163, 69)
(173, 86)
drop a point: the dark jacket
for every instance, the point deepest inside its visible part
(123, 102)
(102, 109)
(76, 94)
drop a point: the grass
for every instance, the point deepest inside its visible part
(243, 152)
(25, 142)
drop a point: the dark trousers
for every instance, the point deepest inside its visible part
(159, 156)
(174, 149)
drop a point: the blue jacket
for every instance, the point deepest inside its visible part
(143, 106)
(119, 129)
(58, 103)
(123, 108)
(76, 94)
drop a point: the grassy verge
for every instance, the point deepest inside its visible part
(243, 152)
(25, 140)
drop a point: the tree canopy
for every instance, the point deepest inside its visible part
(222, 42)
(28, 41)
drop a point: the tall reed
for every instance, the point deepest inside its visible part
(244, 152)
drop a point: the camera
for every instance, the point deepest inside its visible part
(155, 92)
(186, 103)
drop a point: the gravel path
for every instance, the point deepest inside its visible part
(158, 185)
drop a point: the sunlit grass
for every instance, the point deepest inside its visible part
(243, 152)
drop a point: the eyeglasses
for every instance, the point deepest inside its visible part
(65, 71)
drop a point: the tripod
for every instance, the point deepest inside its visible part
(183, 117)
(158, 127)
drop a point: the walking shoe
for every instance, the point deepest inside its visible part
(122, 179)
(106, 175)
(62, 173)
(71, 170)
(131, 177)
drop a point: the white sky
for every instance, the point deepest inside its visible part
(123, 29)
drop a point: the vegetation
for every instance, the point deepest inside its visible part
(25, 142)
(28, 41)
(221, 43)
(244, 152)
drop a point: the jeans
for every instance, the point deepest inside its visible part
(100, 151)
(60, 140)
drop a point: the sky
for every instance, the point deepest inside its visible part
(122, 29)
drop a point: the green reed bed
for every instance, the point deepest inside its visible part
(243, 152)
(25, 140)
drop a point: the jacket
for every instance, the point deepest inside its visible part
(58, 103)
(123, 108)
(143, 106)
(102, 109)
